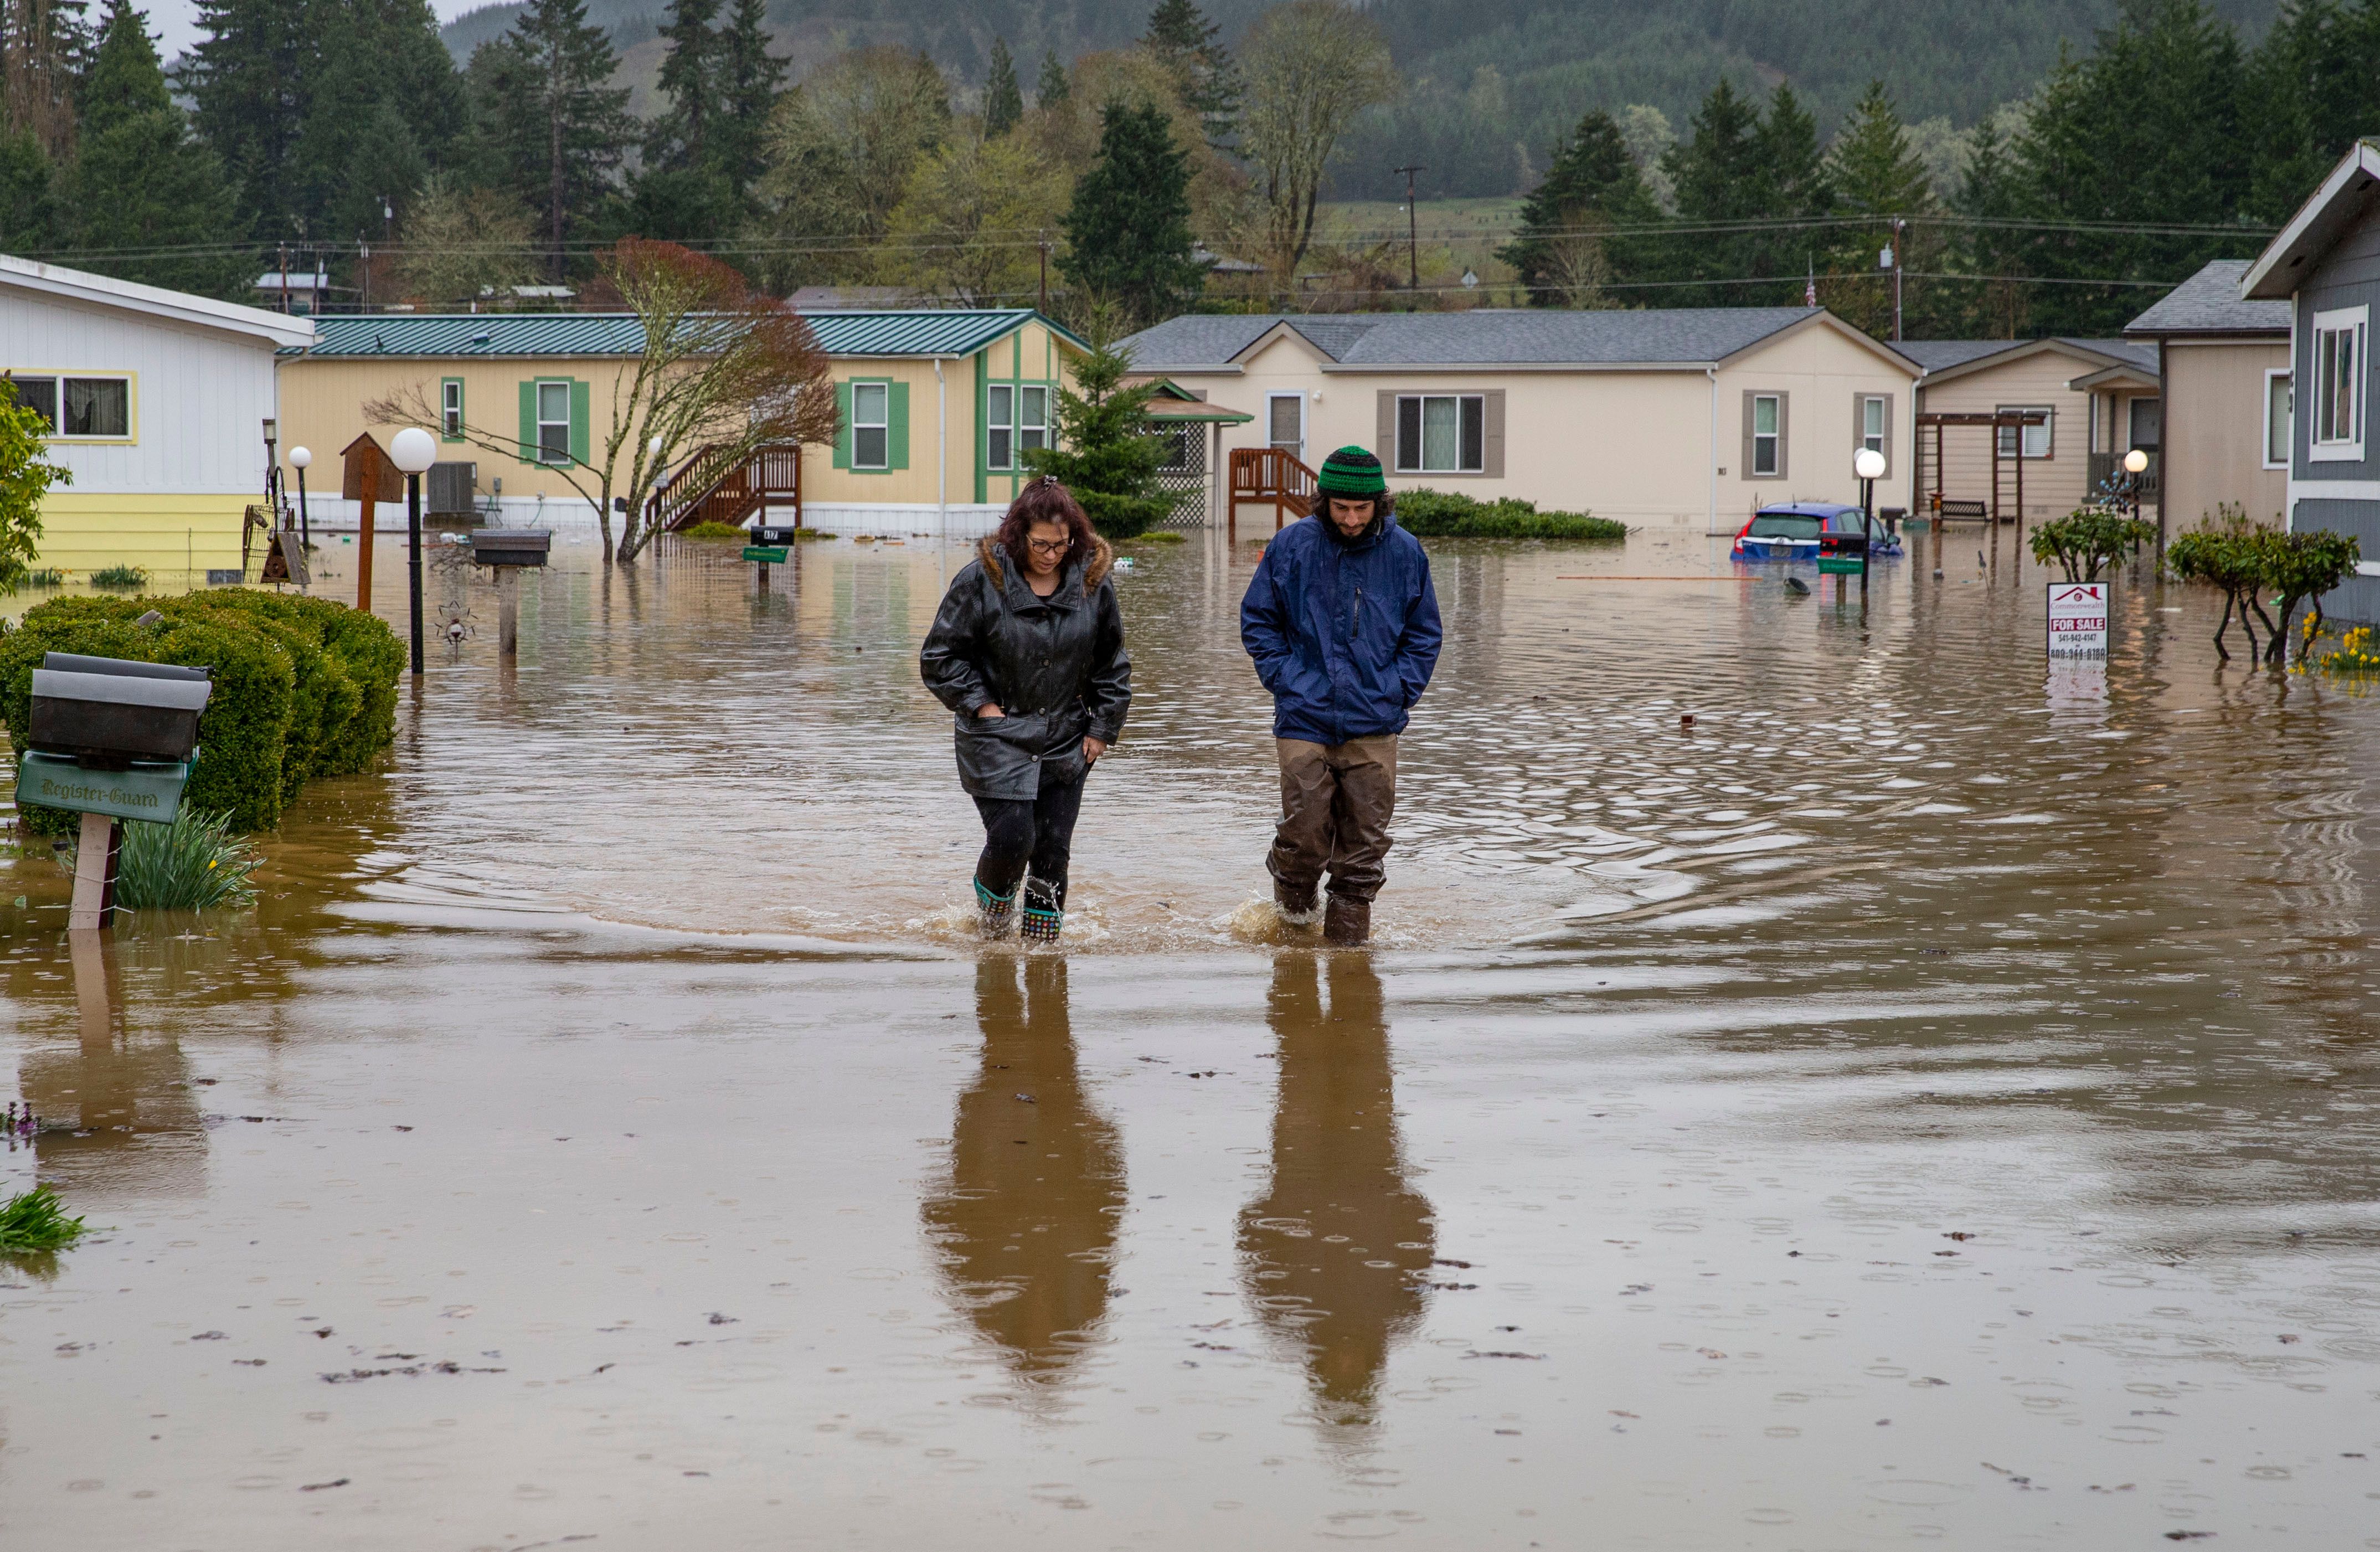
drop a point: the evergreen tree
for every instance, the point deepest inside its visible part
(1128, 229)
(45, 51)
(2311, 91)
(1106, 454)
(689, 75)
(547, 119)
(1182, 38)
(1721, 174)
(750, 80)
(1999, 309)
(247, 76)
(1872, 167)
(1003, 104)
(1591, 184)
(1051, 89)
(1872, 170)
(28, 204)
(382, 105)
(1795, 169)
(141, 181)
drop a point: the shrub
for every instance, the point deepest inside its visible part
(192, 863)
(1430, 514)
(119, 576)
(1162, 536)
(45, 576)
(2243, 560)
(711, 530)
(2088, 540)
(304, 687)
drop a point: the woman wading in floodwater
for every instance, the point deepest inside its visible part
(1028, 650)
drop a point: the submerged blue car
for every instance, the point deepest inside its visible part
(1806, 529)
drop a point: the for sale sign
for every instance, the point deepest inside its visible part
(2078, 619)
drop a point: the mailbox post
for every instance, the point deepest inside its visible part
(506, 551)
(368, 478)
(769, 547)
(113, 739)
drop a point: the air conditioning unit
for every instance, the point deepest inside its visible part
(452, 489)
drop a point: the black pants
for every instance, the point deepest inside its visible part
(1039, 835)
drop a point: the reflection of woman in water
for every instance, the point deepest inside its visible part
(1335, 1252)
(1027, 1225)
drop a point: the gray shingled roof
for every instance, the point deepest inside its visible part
(1941, 355)
(2208, 302)
(1486, 336)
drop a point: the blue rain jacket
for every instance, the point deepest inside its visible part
(1344, 633)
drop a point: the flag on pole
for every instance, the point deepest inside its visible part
(1810, 289)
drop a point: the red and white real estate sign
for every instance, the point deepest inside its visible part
(2078, 619)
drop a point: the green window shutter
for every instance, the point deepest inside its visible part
(529, 422)
(842, 425)
(899, 433)
(579, 397)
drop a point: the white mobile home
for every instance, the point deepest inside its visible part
(157, 401)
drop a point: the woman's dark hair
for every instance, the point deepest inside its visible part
(1045, 500)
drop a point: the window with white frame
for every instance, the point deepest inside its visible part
(553, 422)
(1441, 433)
(999, 426)
(2280, 411)
(1285, 423)
(2339, 338)
(450, 408)
(871, 426)
(92, 406)
(2035, 439)
(1032, 418)
(1872, 433)
(1767, 422)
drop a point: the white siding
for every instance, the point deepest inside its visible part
(199, 400)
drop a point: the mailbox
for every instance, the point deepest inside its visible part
(765, 536)
(106, 711)
(511, 547)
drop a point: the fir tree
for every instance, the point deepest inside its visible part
(689, 75)
(1721, 174)
(28, 204)
(1794, 167)
(1128, 228)
(1871, 166)
(1591, 184)
(140, 182)
(1003, 104)
(750, 80)
(247, 76)
(383, 104)
(1051, 89)
(1106, 454)
(549, 120)
(1872, 170)
(1182, 38)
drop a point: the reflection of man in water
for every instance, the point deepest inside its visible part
(1334, 1254)
(1028, 1225)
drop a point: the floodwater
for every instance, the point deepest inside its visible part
(1926, 1099)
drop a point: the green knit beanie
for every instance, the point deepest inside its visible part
(1351, 472)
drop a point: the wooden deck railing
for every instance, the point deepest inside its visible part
(727, 484)
(1270, 475)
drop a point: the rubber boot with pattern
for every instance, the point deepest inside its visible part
(994, 912)
(1043, 917)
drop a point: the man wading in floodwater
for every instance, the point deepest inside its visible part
(1343, 624)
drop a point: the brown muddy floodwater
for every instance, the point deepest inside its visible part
(1925, 1100)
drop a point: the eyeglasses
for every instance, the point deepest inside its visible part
(1049, 546)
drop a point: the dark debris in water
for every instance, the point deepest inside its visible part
(443, 1367)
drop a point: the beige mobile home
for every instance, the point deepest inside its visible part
(2225, 400)
(2096, 397)
(937, 407)
(1686, 417)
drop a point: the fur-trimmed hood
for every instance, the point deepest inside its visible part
(1095, 570)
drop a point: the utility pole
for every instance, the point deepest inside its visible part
(1044, 246)
(1413, 231)
(1899, 241)
(281, 260)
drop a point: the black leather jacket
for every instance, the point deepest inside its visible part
(1056, 665)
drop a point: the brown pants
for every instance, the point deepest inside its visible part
(1336, 800)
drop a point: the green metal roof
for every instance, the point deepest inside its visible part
(447, 336)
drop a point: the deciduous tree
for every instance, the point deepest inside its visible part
(968, 229)
(26, 476)
(461, 243)
(1316, 65)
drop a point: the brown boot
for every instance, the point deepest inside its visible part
(1296, 901)
(1348, 922)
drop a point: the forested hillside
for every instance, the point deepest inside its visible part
(1488, 85)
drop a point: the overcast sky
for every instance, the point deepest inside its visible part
(175, 23)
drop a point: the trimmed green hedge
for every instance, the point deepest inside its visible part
(304, 687)
(1430, 514)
